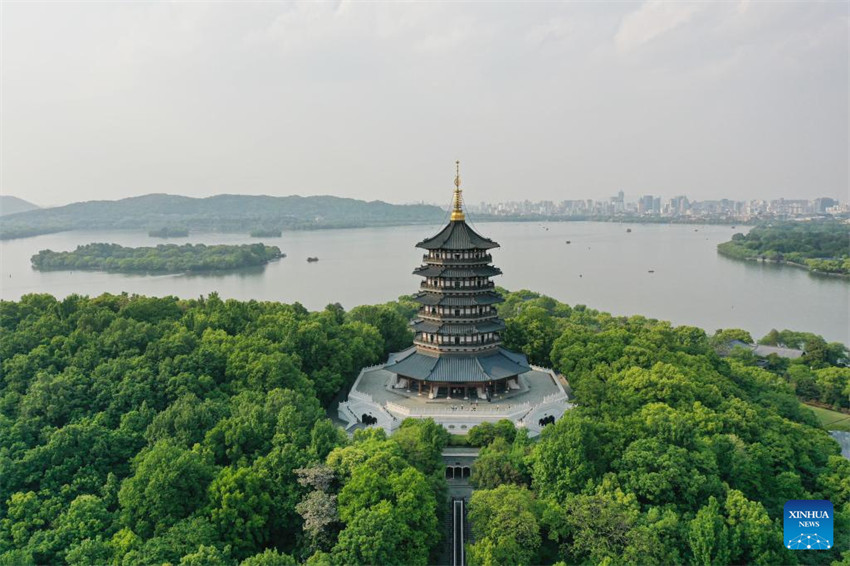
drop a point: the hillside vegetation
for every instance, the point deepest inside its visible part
(14, 205)
(165, 258)
(138, 430)
(222, 213)
(822, 245)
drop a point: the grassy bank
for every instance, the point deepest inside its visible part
(831, 420)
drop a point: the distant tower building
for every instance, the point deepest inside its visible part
(618, 202)
(822, 204)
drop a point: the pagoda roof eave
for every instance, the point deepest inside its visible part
(501, 364)
(446, 271)
(458, 329)
(432, 298)
(457, 235)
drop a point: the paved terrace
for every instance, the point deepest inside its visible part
(375, 393)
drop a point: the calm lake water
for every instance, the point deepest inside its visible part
(603, 267)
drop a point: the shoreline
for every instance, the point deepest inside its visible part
(484, 218)
(788, 263)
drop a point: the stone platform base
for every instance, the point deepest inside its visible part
(376, 400)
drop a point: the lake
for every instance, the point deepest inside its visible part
(604, 267)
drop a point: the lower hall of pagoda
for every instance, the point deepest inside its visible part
(471, 391)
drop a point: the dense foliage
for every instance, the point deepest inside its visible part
(822, 245)
(221, 213)
(164, 258)
(673, 455)
(136, 430)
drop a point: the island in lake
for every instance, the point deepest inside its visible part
(169, 233)
(821, 246)
(266, 233)
(164, 258)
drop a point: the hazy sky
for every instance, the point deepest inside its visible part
(377, 100)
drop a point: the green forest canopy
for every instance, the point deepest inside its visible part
(164, 258)
(147, 430)
(822, 245)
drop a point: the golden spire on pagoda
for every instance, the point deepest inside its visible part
(457, 202)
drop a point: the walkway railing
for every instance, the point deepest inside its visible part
(458, 410)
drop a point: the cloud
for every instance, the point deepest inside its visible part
(566, 100)
(653, 19)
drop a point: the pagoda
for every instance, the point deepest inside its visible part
(457, 350)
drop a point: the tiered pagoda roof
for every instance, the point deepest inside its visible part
(457, 329)
(457, 235)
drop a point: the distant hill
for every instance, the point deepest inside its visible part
(13, 205)
(222, 213)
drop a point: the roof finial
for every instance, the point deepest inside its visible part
(457, 203)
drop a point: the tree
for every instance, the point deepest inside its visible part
(318, 509)
(596, 527)
(505, 526)
(753, 537)
(726, 335)
(422, 443)
(394, 328)
(660, 473)
(569, 454)
(269, 557)
(833, 383)
(240, 506)
(484, 433)
(708, 536)
(168, 484)
(496, 465)
(324, 437)
(207, 556)
(375, 535)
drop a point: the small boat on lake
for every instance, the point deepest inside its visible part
(312, 259)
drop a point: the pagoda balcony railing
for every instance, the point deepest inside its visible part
(458, 348)
(458, 318)
(457, 261)
(456, 290)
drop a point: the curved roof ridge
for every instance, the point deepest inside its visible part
(457, 235)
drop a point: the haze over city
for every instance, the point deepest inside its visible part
(739, 100)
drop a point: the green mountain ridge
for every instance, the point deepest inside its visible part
(220, 213)
(14, 205)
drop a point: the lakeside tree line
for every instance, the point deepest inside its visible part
(164, 258)
(158, 430)
(820, 245)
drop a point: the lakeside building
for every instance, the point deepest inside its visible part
(457, 371)
(678, 208)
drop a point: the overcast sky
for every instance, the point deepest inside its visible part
(377, 100)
